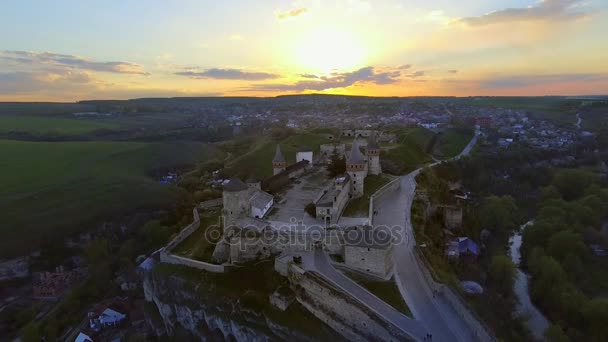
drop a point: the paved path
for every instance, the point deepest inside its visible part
(319, 262)
(437, 314)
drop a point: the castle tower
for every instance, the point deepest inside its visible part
(278, 163)
(356, 167)
(254, 183)
(373, 155)
(236, 200)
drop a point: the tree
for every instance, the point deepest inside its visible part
(555, 333)
(596, 316)
(337, 165)
(311, 209)
(502, 273)
(566, 243)
(573, 182)
(499, 213)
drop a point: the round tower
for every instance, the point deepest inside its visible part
(236, 200)
(278, 163)
(356, 167)
(373, 155)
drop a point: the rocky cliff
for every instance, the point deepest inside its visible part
(233, 306)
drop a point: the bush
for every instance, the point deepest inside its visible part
(311, 209)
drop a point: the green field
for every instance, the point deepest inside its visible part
(50, 124)
(199, 245)
(359, 207)
(385, 290)
(258, 160)
(451, 142)
(410, 151)
(51, 189)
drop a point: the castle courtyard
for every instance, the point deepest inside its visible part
(300, 193)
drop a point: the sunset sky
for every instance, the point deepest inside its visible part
(117, 49)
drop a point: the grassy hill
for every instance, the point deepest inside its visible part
(409, 152)
(58, 188)
(451, 142)
(258, 160)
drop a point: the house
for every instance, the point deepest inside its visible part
(304, 154)
(462, 247)
(368, 252)
(260, 203)
(53, 284)
(82, 337)
(107, 318)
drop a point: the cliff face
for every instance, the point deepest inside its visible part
(205, 310)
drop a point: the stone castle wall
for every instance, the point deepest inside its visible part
(343, 313)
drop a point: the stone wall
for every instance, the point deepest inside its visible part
(372, 260)
(201, 265)
(343, 313)
(189, 229)
(210, 203)
(168, 258)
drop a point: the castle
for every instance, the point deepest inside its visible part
(333, 200)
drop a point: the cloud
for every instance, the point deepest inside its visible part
(28, 82)
(415, 74)
(545, 10)
(335, 80)
(453, 71)
(228, 74)
(290, 14)
(69, 62)
(517, 81)
(404, 66)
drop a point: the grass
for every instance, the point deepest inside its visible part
(199, 245)
(410, 151)
(452, 141)
(258, 159)
(359, 207)
(385, 290)
(50, 124)
(53, 189)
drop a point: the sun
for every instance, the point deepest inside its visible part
(327, 50)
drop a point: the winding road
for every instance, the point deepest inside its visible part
(427, 305)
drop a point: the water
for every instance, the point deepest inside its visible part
(537, 322)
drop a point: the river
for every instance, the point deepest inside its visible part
(537, 322)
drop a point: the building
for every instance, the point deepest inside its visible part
(366, 252)
(304, 154)
(356, 167)
(82, 337)
(260, 203)
(452, 216)
(53, 284)
(107, 318)
(278, 162)
(331, 204)
(242, 200)
(373, 155)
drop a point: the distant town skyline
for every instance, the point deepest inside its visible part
(69, 50)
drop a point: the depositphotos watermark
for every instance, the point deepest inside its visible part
(246, 232)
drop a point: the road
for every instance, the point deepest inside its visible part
(433, 310)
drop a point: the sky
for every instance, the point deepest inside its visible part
(70, 50)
